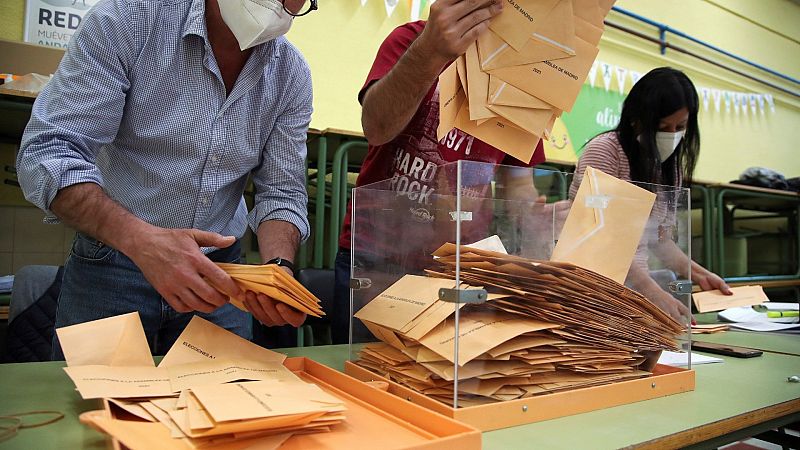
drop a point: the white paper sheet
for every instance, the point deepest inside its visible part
(679, 359)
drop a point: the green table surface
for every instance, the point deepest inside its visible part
(734, 388)
(788, 343)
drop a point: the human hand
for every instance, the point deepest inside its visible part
(271, 312)
(671, 305)
(453, 25)
(171, 260)
(708, 281)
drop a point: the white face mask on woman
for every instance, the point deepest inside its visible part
(667, 142)
(254, 22)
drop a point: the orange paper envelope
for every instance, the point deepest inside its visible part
(477, 86)
(556, 82)
(587, 31)
(114, 341)
(604, 225)
(495, 53)
(461, 67)
(532, 120)
(451, 98)
(502, 93)
(717, 301)
(590, 10)
(201, 341)
(500, 134)
(519, 19)
(558, 29)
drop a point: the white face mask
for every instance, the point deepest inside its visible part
(254, 22)
(667, 142)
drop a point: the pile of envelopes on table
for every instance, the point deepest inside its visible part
(521, 74)
(545, 327)
(274, 282)
(211, 388)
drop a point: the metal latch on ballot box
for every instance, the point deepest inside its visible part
(680, 287)
(360, 283)
(465, 216)
(473, 296)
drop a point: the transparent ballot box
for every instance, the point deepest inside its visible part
(495, 294)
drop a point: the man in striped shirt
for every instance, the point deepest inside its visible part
(144, 141)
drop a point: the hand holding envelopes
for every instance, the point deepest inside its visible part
(546, 327)
(275, 283)
(543, 49)
(206, 367)
(717, 301)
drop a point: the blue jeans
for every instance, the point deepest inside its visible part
(381, 273)
(101, 282)
(340, 310)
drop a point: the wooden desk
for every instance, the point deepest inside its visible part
(739, 398)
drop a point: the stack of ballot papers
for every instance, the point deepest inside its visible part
(546, 327)
(756, 318)
(709, 328)
(211, 388)
(274, 282)
(510, 86)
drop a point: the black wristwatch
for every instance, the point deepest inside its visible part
(282, 262)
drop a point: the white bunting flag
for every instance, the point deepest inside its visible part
(705, 93)
(592, 73)
(736, 98)
(363, 2)
(761, 104)
(728, 97)
(635, 76)
(606, 69)
(390, 6)
(622, 76)
(743, 102)
(716, 94)
(753, 103)
(770, 102)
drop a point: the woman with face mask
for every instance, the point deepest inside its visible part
(657, 141)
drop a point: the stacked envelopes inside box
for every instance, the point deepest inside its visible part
(546, 327)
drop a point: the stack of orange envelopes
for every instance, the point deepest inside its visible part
(212, 387)
(511, 85)
(274, 282)
(545, 327)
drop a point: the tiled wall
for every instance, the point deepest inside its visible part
(25, 240)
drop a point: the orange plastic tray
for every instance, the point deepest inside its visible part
(375, 418)
(666, 380)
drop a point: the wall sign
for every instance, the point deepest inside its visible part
(53, 22)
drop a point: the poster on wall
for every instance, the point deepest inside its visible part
(53, 22)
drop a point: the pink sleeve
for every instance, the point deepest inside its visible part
(600, 153)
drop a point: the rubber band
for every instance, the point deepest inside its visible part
(9, 431)
(16, 423)
(57, 415)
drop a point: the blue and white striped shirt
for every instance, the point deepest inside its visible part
(139, 107)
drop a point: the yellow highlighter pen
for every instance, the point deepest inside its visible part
(777, 314)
